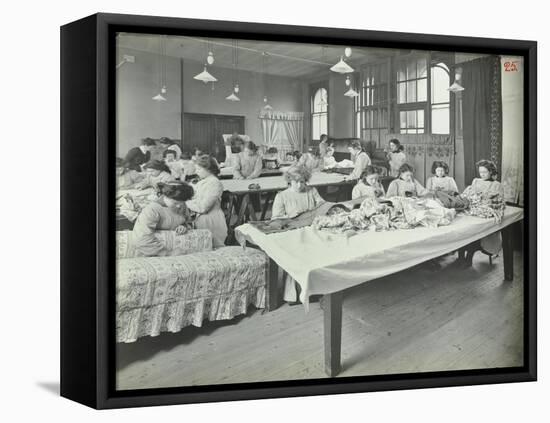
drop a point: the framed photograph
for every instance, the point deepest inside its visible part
(258, 211)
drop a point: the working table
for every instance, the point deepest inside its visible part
(327, 263)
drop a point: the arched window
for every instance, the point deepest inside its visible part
(319, 113)
(440, 101)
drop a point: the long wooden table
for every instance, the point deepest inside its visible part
(329, 264)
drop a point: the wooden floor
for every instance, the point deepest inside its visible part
(422, 319)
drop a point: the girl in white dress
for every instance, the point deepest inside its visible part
(360, 159)
(296, 199)
(406, 185)
(441, 181)
(207, 200)
(369, 185)
(396, 157)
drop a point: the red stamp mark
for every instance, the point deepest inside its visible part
(511, 66)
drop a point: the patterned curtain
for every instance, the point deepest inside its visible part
(512, 129)
(482, 114)
(283, 130)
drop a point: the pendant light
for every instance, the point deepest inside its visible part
(347, 51)
(265, 68)
(342, 67)
(206, 76)
(162, 70)
(233, 96)
(350, 92)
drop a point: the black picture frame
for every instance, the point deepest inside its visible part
(87, 231)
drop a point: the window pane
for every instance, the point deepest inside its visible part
(402, 93)
(315, 133)
(420, 119)
(422, 72)
(358, 125)
(411, 70)
(422, 89)
(323, 126)
(402, 119)
(411, 119)
(440, 83)
(411, 92)
(403, 131)
(401, 75)
(440, 119)
(375, 123)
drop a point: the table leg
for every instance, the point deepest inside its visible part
(508, 252)
(268, 197)
(333, 332)
(273, 289)
(232, 205)
(245, 199)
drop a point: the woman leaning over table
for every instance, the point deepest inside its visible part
(360, 159)
(248, 164)
(207, 200)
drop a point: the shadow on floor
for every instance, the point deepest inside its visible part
(51, 387)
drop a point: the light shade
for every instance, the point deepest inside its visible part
(232, 97)
(159, 97)
(205, 77)
(351, 93)
(342, 67)
(455, 87)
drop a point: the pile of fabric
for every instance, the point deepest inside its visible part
(486, 206)
(129, 203)
(395, 213)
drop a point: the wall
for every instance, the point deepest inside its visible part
(284, 94)
(139, 116)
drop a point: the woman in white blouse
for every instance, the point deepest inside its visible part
(360, 159)
(207, 200)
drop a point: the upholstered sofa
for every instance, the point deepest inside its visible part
(166, 294)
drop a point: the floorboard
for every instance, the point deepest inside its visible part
(423, 319)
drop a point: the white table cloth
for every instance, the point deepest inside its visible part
(323, 263)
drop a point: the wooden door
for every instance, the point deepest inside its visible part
(205, 131)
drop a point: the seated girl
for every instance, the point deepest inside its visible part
(182, 168)
(441, 181)
(491, 191)
(206, 202)
(126, 178)
(369, 185)
(155, 172)
(311, 160)
(247, 164)
(406, 185)
(298, 197)
(168, 212)
(486, 185)
(329, 161)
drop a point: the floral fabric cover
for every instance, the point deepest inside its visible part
(166, 294)
(193, 241)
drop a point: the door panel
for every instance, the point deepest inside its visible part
(205, 131)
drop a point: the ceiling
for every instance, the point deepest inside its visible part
(283, 59)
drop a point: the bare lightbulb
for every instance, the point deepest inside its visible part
(348, 82)
(347, 51)
(210, 58)
(236, 88)
(163, 89)
(265, 99)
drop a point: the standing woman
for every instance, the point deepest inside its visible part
(207, 200)
(167, 213)
(396, 157)
(360, 159)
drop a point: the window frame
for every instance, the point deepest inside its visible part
(313, 89)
